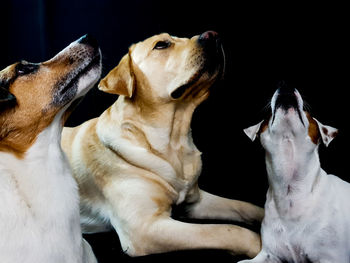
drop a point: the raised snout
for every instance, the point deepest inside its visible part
(210, 40)
(285, 98)
(80, 65)
(287, 101)
(212, 47)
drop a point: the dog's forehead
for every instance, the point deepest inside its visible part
(141, 49)
(162, 37)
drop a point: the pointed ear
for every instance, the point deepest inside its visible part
(252, 131)
(119, 80)
(328, 133)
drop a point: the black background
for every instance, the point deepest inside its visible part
(305, 45)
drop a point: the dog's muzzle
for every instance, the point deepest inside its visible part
(285, 98)
(210, 41)
(212, 46)
(213, 58)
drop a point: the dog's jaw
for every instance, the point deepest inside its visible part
(81, 79)
(46, 93)
(287, 104)
(211, 65)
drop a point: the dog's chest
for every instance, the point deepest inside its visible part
(300, 240)
(185, 159)
(31, 190)
(36, 189)
(188, 167)
(180, 153)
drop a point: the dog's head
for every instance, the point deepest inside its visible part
(290, 126)
(164, 69)
(32, 94)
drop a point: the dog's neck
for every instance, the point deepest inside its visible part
(45, 148)
(293, 176)
(171, 121)
(160, 142)
(37, 176)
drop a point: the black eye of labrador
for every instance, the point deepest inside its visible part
(162, 44)
(24, 68)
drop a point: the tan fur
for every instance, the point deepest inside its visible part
(137, 159)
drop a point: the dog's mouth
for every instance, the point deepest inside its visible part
(286, 98)
(86, 55)
(179, 92)
(73, 80)
(213, 67)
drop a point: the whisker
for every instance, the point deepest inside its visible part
(267, 107)
(224, 62)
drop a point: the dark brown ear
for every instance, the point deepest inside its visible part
(119, 80)
(6, 99)
(6, 96)
(7, 76)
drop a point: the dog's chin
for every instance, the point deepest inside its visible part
(80, 84)
(202, 78)
(88, 80)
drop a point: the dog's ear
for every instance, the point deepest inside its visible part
(252, 131)
(328, 133)
(119, 80)
(7, 99)
(6, 96)
(7, 76)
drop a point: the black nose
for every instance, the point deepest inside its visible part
(284, 89)
(209, 39)
(88, 40)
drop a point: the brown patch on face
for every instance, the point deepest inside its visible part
(34, 109)
(313, 130)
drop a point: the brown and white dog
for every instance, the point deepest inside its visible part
(137, 159)
(39, 215)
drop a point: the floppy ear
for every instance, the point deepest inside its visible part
(7, 76)
(328, 133)
(6, 96)
(252, 131)
(119, 80)
(7, 99)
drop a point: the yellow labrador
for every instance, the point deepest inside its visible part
(137, 159)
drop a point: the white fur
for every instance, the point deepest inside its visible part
(307, 215)
(39, 204)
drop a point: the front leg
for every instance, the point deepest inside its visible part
(140, 213)
(208, 206)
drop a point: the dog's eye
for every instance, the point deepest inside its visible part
(162, 44)
(24, 68)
